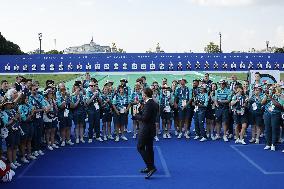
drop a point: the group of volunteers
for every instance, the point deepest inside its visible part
(33, 120)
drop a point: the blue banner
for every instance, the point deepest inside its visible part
(137, 62)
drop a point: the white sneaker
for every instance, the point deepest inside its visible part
(55, 146)
(243, 142)
(196, 138)
(176, 133)
(256, 141)
(165, 135)
(230, 136)
(156, 138)
(237, 141)
(212, 137)
(217, 137)
(169, 135)
(17, 164)
(272, 147)
(62, 144)
(90, 140)
(203, 139)
(24, 160)
(283, 151)
(82, 140)
(187, 136)
(208, 135)
(99, 139)
(267, 147)
(40, 153)
(105, 138)
(134, 136)
(32, 157)
(117, 139)
(77, 140)
(252, 140)
(110, 137)
(13, 166)
(36, 153)
(49, 147)
(69, 142)
(225, 138)
(123, 138)
(179, 135)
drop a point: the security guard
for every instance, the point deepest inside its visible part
(222, 100)
(93, 101)
(200, 102)
(272, 116)
(183, 98)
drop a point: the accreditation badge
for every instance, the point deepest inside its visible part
(167, 109)
(38, 115)
(254, 106)
(271, 108)
(97, 106)
(122, 110)
(183, 103)
(66, 113)
(195, 108)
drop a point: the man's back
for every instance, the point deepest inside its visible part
(148, 118)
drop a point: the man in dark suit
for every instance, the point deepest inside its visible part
(147, 132)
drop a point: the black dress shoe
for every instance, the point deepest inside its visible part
(150, 173)
(146, 170)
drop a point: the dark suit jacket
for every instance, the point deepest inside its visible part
(148, 119)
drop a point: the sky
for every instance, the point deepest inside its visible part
(138, 25)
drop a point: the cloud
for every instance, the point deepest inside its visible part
(222, 3)
(235, 3)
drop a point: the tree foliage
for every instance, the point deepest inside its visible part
(8, 47)
(212, 48)
(54, 52)
(279, 50)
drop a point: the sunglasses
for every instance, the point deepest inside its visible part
(92, 85)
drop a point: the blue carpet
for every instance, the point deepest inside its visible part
(181, 164)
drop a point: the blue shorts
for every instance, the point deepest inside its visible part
(256, 119)
(106, 117)
(13, 139)
(184, 114)
(167, 116)
(240, 119)
(120, 119)
(65, 122)
(222, 115)
(28, 129)
(50, 125)
(79, 118)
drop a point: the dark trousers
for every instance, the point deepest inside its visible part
(230, 123)
(38, 134)
(145, 148)
(272, 125)
(94, 123)
(199, 119)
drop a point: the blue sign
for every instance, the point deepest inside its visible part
(137, 62)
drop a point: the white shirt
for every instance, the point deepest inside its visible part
(147, 100)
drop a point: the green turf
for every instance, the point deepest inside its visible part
(42, 77)
(70, 78)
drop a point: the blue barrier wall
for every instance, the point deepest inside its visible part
(133, 62)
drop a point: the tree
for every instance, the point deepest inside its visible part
(212, 48)
(8, 47)
(54, 52)
(279, 50)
